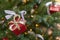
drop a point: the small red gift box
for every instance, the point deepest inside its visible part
(54, 8)
(16, 26)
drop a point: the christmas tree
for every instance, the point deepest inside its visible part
(29, 20)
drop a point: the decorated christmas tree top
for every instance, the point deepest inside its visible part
(29, 19)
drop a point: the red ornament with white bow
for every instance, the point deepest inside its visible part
(17, 25)
(51, 8)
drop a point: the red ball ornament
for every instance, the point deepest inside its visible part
(54, 8)
(5, 38)
(17, 26)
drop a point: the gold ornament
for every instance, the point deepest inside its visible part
(58, 26)
(30, 30)
(24, 1)
(32, 16)
(32, 11)
(58, 38)
(57, 0)
(2, 20)
(50, 32)
(37, 25)
(25, 33)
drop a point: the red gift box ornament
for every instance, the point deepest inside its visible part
(16, 26)
(51, 8)
(54, 8)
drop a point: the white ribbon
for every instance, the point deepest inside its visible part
(40, 36)
(47, 5)
(10, 14)
(15, 23)
(23, 12)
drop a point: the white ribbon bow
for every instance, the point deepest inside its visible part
(22, 14)
(11, 13)
(50, 3)
(14, 22)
